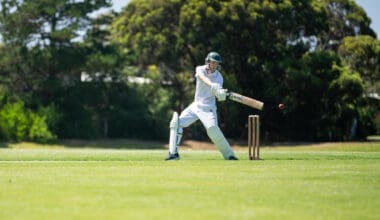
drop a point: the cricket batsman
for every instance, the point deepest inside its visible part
(209, 87)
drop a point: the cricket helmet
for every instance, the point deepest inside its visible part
(213, 56)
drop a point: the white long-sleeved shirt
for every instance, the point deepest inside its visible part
(203, 96)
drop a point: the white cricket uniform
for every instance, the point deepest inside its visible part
(204, 105)
(204, 109)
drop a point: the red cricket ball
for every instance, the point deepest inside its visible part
(281, 106)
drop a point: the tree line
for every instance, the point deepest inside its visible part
(65, 74)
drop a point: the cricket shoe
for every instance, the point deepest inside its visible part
(173, 156)
(232, 158)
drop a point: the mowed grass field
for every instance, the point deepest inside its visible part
(318, 181)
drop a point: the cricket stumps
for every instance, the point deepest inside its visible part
(254, 137)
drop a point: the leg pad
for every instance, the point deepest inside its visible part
(217, 137)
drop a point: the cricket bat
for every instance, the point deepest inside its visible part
(253, 103)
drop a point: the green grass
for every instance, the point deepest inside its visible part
(320, 181)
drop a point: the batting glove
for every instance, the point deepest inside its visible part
(221, 95)
(215, 87)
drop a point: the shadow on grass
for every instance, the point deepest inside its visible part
(112, 144)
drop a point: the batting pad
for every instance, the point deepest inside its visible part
(217, 137)
(173, 134)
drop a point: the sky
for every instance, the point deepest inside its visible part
(372, 8)
(117, 5)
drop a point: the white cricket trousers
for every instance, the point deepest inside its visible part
(209, 119)
(193, 112)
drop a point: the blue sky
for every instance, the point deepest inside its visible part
(372, 8)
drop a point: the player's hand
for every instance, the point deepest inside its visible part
(215, 87)
(221, 95)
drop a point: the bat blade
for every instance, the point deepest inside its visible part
(253, 103)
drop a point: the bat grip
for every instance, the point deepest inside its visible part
(228, 93)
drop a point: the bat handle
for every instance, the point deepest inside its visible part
(228, 93)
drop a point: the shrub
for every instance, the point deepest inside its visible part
(39, 130)
(13, 122)
(18, 123)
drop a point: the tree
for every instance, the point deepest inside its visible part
(42, 53)
(40, 40)
(345, 18)
(362, 54)
(148, 32)
(266, 47)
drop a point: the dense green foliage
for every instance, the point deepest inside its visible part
(284, 51)
(318, 57)
(19, 123)
(362, 54)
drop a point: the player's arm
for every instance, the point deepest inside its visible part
(204, 79)
(216, 88)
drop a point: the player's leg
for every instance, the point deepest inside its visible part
(177, 124)
(210, 121)
(173, 138)
(221, 143)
